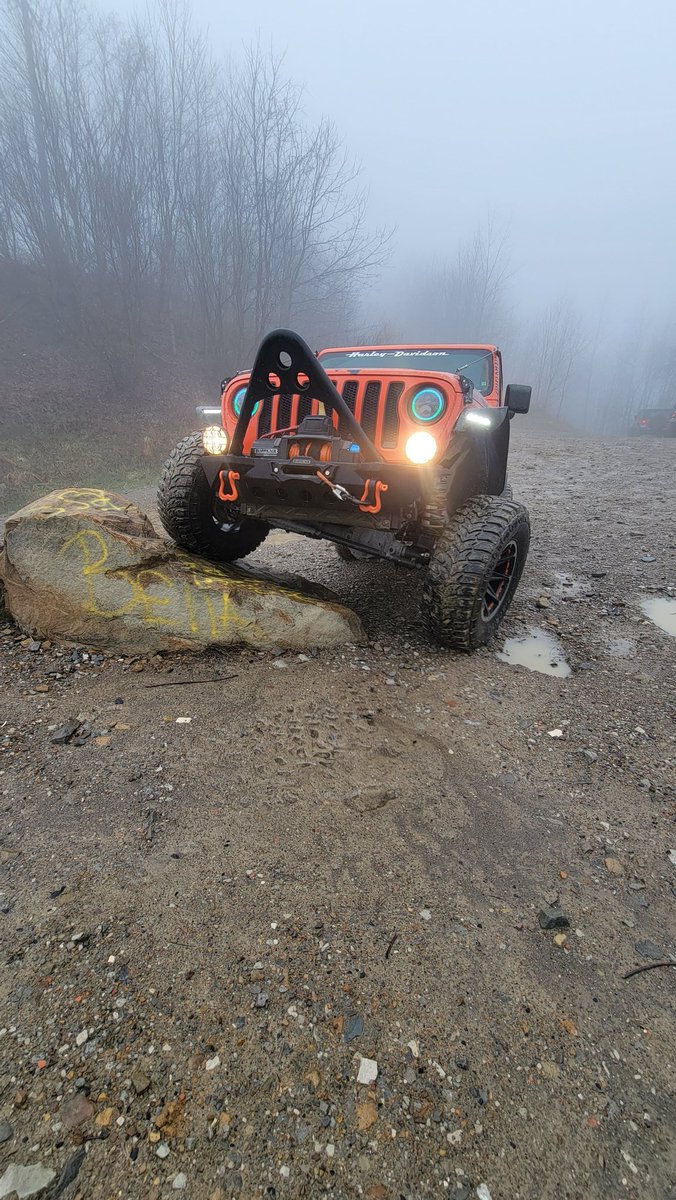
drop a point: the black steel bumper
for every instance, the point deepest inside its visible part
(371, 493)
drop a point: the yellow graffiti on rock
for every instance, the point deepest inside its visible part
(84, 500)
(94, 555)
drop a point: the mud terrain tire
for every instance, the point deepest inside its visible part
(185, 502)
(475, 570)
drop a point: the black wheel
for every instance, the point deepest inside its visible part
(474, 572)
(349, 555)
(507, 492)
(193, 515)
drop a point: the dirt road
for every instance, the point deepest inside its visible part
(230, 895)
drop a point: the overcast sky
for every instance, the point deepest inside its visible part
(556, 116)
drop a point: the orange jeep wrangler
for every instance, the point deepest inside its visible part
(396, 452)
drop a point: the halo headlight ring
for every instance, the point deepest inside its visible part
(427, 404)
(238, 400)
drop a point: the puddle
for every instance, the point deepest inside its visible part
(567, 588)
(662, 611)
(538, 651)
(621, 647)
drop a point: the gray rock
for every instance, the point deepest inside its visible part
(648, 950)
(179, 1182)
(262, 1000)
(26, 1181)
(65, 732)
(140, 1082)
(354, 1027)
(6, 1131)
(553, 918)
(152, 595)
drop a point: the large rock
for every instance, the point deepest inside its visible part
(86, 566)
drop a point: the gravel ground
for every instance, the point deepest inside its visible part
(223, 904)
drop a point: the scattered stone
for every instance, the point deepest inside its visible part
(162, 1150)
(560, 939)
(179, 1182)
(212, 1063)
(553, 918)
(542, 602)
(354, 1027)
(555, 733)
(140, 1082)
(461, 1191)
(425, 914)
(613, 865)
(6, 1131)
(26, 1181)
(64, 732)
(367, 1114)
(262, 1000)
(590, 755)
(483, 1192)
(368, 1071)
(105, 1117)
(75, 1110)
(648, 950)
(81, 1038)
(551, 1070)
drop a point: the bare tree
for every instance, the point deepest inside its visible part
(162, 208)
(555, 354)
(466, 298)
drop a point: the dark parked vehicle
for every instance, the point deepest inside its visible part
(656, 422)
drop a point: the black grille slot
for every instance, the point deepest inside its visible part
(264, 417)
(304, 407)
(390, 436)
(350, 397)
(369, 410)
(350, 394)
(284, 411)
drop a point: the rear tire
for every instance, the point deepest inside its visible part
(186, 503)
(475, 570)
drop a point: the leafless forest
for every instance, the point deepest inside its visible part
(161, 208)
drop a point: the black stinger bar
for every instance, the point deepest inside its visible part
(285, 355)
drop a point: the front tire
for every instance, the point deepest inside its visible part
(187, 506)
(475, 570)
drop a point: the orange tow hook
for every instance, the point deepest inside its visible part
(378, 487)
(233, 494)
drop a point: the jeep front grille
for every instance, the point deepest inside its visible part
(374, 403)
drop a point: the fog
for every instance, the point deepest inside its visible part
(556, 120)
(175, 180)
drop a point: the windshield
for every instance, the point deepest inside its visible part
(475, 363)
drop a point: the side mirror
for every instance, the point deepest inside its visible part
(517, 397)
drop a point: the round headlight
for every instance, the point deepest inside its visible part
(215, 439)
(421, 448)
(428, 404)
(239, 400)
